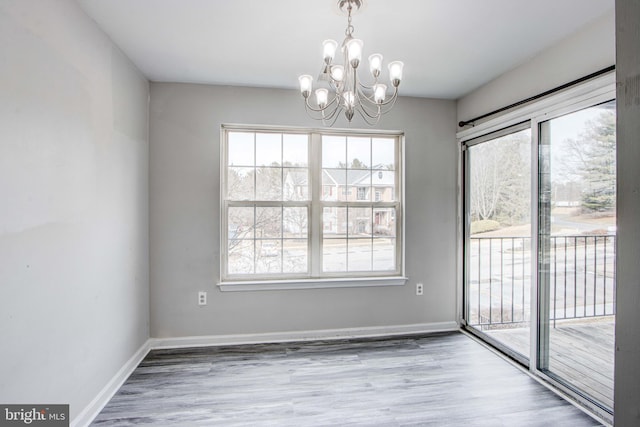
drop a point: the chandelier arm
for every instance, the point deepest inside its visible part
(324, 116)
(380, 111)
(334, 118)
(365, 109)
(368, 106)
(334, 112)
(336, 108)
(369, 99)
(370, 120)
(393, 98)
(390, 103)
(364, 86)
(380, 106)
(386, 106)
(310, 107)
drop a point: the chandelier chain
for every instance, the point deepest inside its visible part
(349, 31)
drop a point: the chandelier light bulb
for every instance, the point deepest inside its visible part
(322, 95)
(337, 73)
(395, 72)
(306, 83)
(349, 99)
(379, 92)
(354, 52)
(349, 103)
(375, 64)
(329, 49)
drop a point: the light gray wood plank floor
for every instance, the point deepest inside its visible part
(436, 380)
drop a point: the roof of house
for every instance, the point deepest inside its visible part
(378, 176)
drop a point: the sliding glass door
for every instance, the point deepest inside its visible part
(576, 245)
(498, 238)
(543, 291)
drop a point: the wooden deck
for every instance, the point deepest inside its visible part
(581, 352)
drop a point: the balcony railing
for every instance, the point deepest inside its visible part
(581, 279)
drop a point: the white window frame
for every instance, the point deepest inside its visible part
(314, 278)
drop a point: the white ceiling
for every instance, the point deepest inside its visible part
(449, 47)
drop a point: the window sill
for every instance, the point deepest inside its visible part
(277, 285)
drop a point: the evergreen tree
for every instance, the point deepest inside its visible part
(597, 153)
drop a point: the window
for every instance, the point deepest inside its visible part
(289, 209)
(362, 193)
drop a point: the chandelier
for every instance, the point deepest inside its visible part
(341, 89)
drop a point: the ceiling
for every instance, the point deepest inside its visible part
(449, 47)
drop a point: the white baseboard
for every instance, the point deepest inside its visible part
(324, 334)
(92, 410)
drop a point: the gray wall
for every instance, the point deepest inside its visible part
(184, 206)
(588, 50)
(627, 369)
(74, 205)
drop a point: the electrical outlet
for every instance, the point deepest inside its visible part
(202, 298)
(419, 289)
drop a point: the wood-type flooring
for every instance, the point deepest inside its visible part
(435, 380)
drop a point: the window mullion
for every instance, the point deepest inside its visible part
(315, 220)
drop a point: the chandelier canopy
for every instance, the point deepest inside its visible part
(341, 89)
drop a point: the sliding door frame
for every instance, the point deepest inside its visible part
(542, 297)
(590, 93)
(466, 228)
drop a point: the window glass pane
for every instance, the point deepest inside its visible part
(334, 222)
(384, 255)
(347, 194)
(295, 256)
(240, 257)
(358, 153)
(240, 149)
(334, 255)
(295, 150)
(360, 180)
(576, 243)
(498, 276)
(296, 184)
(384, 183)
(295, 222)
(384, 222)
(268, 149)
(268, 222)
(359, 255)
(268, 184)
(268, 256)
(241, 223)
(383, 153)
(360, 224)
(334, 152)
(240, 183)
(333, 184)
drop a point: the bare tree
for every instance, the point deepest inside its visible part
(500, 178)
